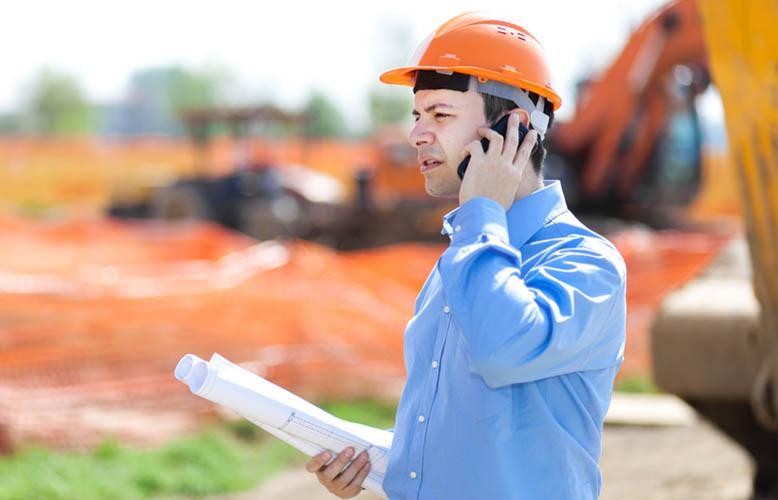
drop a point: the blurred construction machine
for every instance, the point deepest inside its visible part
(715, 341)
(253, 197)
(276, 198)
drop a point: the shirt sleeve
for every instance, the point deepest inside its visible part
(555, 320)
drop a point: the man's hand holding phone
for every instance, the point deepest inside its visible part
(497, 172)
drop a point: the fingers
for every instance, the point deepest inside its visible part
(337, 465)
(342, 482)
(356, 484)
(317, 461)
(512, 141)
(524, 152)
(495, 141)
(474, 149)
(345, 477)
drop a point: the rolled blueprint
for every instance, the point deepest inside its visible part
(284, 414)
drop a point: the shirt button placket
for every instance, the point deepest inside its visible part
(422, 418)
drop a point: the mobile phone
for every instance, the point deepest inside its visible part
(501, 127)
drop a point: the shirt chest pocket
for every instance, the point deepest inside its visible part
(473, 397)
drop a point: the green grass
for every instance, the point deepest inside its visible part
(637, 384)
(365, 411)
(226, 458)
(212, 462)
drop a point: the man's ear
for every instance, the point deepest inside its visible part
(523, 115)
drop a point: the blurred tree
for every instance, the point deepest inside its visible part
(56, 104)
(9, 124)
(392, 46)
(324, 117)
(388, 106)
(156, 97)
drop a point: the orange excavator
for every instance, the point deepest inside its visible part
(634, 142)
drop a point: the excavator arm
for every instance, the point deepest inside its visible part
(620, 117)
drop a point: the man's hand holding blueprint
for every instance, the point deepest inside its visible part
(288, 417)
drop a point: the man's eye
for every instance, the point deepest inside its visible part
(437, 115)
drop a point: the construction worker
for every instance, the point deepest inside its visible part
(519, 330)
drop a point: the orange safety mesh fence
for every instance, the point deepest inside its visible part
(657, 263)
(95, 314)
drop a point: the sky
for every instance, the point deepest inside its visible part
(281, 50)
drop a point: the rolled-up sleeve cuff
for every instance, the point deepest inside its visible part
(479, 219)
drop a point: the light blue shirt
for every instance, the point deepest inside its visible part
(510, 357)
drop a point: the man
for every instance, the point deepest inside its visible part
(519, 330)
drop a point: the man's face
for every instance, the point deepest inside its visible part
(446, 121)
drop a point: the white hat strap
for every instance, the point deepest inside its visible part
(537, 118)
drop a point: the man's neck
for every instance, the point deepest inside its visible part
(529, 184)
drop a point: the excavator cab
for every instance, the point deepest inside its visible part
(673, 175)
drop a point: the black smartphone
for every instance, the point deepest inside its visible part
(501, 127)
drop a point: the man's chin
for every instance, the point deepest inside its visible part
(440, 194)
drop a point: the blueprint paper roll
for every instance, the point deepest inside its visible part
(228, 388)
(270, 390)
(184, 367)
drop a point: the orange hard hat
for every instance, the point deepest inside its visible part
(487, 48)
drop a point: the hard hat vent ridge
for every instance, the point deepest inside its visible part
(502, 30)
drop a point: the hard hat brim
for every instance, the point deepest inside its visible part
(407, 76)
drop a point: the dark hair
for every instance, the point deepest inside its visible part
(494, 107)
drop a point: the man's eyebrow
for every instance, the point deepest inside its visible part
(432, 107)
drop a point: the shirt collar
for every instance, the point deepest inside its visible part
(527, 215)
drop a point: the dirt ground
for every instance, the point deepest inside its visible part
(638, 463)
(677, 463)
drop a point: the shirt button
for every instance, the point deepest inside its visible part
(413, 475)
(421, 418)
(434, 364)
(457, 228)
(446, 309)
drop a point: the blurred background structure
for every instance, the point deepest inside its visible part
(177, 180)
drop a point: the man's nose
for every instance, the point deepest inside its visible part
(420, 136)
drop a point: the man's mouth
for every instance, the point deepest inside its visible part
(429, 165)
